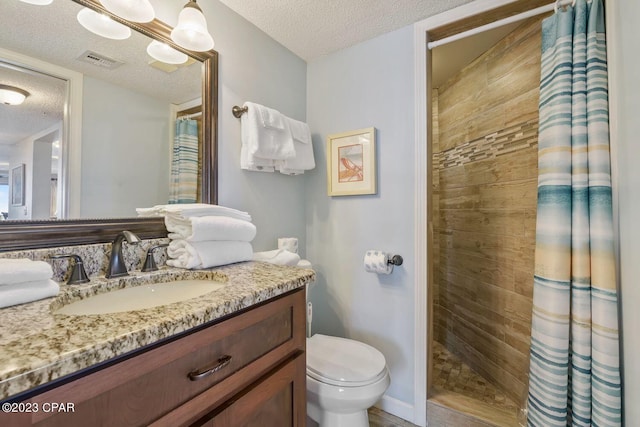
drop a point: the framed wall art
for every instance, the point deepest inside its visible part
(351, 163)
(17, 186)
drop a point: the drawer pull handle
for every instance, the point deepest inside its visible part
(221, 363)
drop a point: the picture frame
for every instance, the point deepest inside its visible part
(351, 163)
(17, 185)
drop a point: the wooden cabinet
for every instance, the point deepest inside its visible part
(245, 370)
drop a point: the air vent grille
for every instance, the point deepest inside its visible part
(99, 60)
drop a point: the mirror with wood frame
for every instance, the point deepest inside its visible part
(95, 228)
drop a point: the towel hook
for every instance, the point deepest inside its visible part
(563, 4)
(239, 111)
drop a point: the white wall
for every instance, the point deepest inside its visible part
(625, 16)
(370, 84)
(112, 118)
(253, 67)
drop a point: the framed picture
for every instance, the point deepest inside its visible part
(17, 186)
(351, 163)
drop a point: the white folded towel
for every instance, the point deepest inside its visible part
(23, 270)
(256, 164)
(207, 254)
(193, 210)
(278, 256)
(265, 135)
(201, 228)
(20, 293)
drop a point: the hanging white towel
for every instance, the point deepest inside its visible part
(20, 293)
(198, 229)
(188, 210)
(23, 270)
(207, 254)
(303, 160)
(265, 134)
(277, 256)
(256, 164)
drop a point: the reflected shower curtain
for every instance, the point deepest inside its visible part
(184, 163)
(574, 376)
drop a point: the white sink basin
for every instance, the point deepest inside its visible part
(141, 297)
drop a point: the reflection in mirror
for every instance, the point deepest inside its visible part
(122, 159)
(30, 145)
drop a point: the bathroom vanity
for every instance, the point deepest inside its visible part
(229, 358)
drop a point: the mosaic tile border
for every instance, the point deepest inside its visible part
(505, 141)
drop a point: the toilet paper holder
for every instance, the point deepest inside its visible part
(395, 260)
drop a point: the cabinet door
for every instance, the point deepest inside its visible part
(278, 400)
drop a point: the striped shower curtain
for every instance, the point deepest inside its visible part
(184, 163)
(574, 376)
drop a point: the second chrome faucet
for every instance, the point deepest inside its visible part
(117, 266)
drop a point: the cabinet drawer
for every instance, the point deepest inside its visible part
(148, 386)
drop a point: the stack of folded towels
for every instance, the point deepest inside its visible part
(203, 235)
(272, 141)
(23, 280)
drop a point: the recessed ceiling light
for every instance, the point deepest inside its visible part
(11, 95)
(102, 25)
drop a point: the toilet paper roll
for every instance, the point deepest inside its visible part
(289, 244)
(377, 262)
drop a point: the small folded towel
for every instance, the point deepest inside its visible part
(207, 254)
(23, 270)
(193, 210)
(303, 160)
(256, 164)
(198, 229)
(265, 134)
(20, 293)
(278, 256)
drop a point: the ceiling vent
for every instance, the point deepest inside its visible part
(99, 60)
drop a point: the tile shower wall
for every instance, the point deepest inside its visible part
(485, 189)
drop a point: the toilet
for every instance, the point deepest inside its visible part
(344, 379)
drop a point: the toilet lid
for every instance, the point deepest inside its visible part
(339, 360)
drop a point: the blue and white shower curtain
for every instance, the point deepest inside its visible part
(184, 163)
(574, 376)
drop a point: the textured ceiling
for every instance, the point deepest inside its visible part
(52, 34)
(313, 28)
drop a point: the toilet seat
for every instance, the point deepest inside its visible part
(343, 362)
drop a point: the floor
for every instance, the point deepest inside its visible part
(379, 418)
(457, 387)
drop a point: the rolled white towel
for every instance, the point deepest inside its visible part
(23, 270)
(202, 228)
(207, 254)
(20, 293)
(278, 256)
(188, 210)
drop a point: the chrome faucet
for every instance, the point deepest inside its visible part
(117, 266)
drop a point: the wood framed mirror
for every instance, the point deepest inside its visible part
(15, 235)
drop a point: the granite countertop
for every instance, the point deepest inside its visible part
(38, 346)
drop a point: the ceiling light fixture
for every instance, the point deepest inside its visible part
(10, 95)
(191, 32)
(165, 53)
(131, 10)
(38, 2)
(102, 25)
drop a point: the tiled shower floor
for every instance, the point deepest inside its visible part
(452, 378)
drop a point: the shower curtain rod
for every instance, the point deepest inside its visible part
(190, 116)
(511, 19)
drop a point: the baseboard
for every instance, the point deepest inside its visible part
(396, 407)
